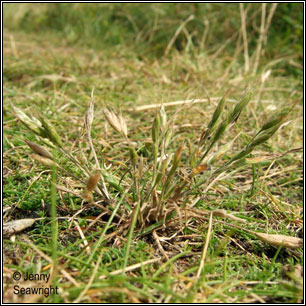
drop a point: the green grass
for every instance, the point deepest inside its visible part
(149, 28)
(54, 78)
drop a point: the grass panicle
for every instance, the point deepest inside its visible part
(32, 124)
(39, 149)
(240, 106)
(44, 160)
(50, 132)
(266, 132)
(216, 115)
(116, 122)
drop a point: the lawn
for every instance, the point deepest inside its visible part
(153, 153)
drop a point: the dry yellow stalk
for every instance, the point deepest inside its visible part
(15, 226)
(224, 214)
(277, 240)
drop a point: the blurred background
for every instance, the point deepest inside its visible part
(158, 29)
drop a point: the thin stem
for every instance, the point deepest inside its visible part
(104, 231)
(130, 236)
(245, 39)
(104, 189)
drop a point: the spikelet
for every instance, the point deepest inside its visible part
(45, 161)
(89, 114)
(50, 132)
(239, 106)
(155, 128)
(177, 156)
(91, 184)
(123, 126)
(273, 123)
(92, 181)
(221, 129)
(266, 132)
(217, 113)
(32, 124)
(39, 149)
(276, 119)
(163, 117)
(116, 122)
(222, 150)
(213, 121)
(133, 155)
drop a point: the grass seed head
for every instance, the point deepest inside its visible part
(263, 136)
(50, 132)
(89, 115)
(220, 131)
(116, 122)
(155, 128)
(276, 119)
(167, 138)
(123, 126)
(177, 156)
(92, 181)
(213, 121)
(45, 161)
(32, 124)
(217, 113)
(113, 120)
(239, 106)
(163, 117)
(39, 149)
(133, 155)
(87, 196)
